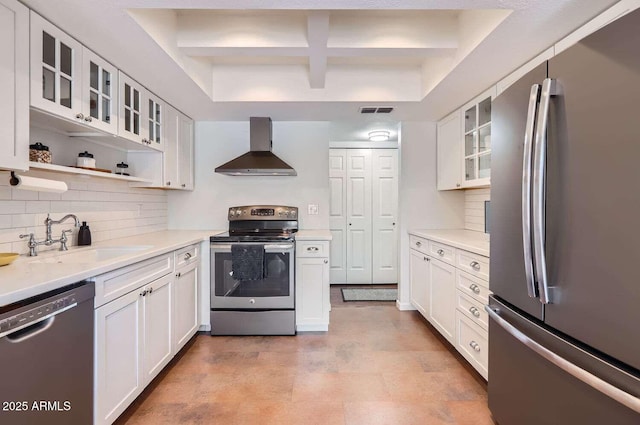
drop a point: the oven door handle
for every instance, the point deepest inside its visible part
(267, 247)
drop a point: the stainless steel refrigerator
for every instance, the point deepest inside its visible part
(564, 335)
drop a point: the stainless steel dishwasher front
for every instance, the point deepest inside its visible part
(46, 358)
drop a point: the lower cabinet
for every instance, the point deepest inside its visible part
(312, 287)
(138, 333)
(450, 292)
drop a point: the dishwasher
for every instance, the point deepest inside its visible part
(46, 358)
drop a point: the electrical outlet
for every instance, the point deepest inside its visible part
(312, 209)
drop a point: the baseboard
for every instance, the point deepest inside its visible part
(204, 328)
(404, 306)
(320, 327)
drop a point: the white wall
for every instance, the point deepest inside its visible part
(422, 206)
(303, 145)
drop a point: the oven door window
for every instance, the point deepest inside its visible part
(275, 284)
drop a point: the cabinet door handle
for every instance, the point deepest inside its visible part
(80, 116)
(143, 293)
(441, 252)
(178, 274)
(475, 346)
(312, 248)
(187, 256)
(184, 185)
(475, 288)
(326, 261)
(475, 265)
(168, 183)
(88, 119)
(474, 311)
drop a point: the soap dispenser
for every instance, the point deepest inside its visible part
(84, 235)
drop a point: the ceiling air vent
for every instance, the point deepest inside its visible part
(376, 109)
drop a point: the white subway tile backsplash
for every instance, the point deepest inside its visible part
(111, 208)
(474, 208)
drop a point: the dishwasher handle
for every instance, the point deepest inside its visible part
(31, 329)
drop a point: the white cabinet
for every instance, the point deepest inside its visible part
(157, 324)
(476, 130)
(312, 286)
(56, 70)
(118, 377)
(363, 215)
(131, 117)
(442, 298)
(145, 313)
(449, 141)
(14, 85)
(185, 296)
(449, 287)
(154, 123)
(70, 81)
(185, 152)
(419, 277)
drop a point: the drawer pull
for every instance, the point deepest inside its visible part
(187, 256)
(441, 252)
(475, 346)
(475, 288)
(312, 249)
(418, 244)
(474, 311)
(475, 265)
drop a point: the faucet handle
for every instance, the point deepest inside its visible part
(28, 235)
(63, 239)
(67, 231)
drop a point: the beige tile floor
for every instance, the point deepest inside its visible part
(376, 365)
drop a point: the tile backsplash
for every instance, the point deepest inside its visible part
(111, 208)
(474, 208)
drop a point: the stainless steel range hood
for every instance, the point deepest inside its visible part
(259, 161)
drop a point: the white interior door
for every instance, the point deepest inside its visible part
(359, 216)
(384, 215)
(338, 214)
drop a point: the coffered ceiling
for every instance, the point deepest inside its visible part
(318, 59)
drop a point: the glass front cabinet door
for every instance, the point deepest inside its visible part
(477, 141)
(99, 92)
(55, 70)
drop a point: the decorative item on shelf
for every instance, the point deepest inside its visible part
(85, 160)
(7, 258)
(121, 168)
(84, 235)
(39, 153)
(379, 136)
(36, 184)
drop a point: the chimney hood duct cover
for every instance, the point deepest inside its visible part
(259, 161)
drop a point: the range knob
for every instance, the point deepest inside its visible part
(232, 213)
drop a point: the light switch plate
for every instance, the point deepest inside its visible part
(312, 209)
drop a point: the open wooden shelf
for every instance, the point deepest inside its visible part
(81, 171)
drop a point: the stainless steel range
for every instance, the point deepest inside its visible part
(252, 272)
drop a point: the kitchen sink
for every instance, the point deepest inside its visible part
(91, 255)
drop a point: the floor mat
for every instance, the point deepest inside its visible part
(369, 294)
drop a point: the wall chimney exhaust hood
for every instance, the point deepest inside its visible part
(259, 161)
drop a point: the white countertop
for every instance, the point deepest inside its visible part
(468, 240)
(25, 278)
(313, 235)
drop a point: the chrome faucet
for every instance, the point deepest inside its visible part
(33, 244)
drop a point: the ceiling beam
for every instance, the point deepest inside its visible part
(318, 36)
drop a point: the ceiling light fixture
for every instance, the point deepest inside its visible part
(379, 136)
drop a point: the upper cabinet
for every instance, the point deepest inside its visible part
(464, 145)
(70, 81)
(185, 152)
(56, 69)
(476, 122)
(141, 114)
(14, 85)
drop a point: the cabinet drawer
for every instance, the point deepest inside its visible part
(187, 255)
(306, 249)
(474, 264)
(472, 286)
(114, 284)
(419, 244)
(473, 309)
(472, 343)
(442, 252)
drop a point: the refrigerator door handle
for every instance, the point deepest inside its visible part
(622, 397)
(526, 189)
(539, 175)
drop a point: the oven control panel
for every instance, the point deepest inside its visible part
(263, 212)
